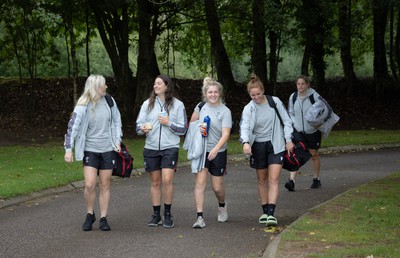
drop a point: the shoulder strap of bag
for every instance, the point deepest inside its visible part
(109, 100)
(312, 100)
(272, 103)
(201, 104)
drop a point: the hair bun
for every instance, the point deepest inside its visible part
(208, 80)
(254, 77)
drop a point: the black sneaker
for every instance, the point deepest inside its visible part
(155, 220)
(90, 219)
(290, 185)
(168, 223)
(316, 183)
(104, 224)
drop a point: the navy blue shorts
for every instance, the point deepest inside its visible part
(158, 159)
(313, 140)
(101, 161)
(217, 166)
(263, 155)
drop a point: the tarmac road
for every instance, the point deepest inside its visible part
(50, 225)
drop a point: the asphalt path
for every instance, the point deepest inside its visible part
(50, 225)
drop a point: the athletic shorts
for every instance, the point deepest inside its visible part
(101, 161)
(158, 159)
(313, 140)
(217, 166)
(263, 155)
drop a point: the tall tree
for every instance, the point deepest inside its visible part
(397, 38)
(221, 60)
(316, 31)
(380, 12)
(112, 19)
(393, 67)
(259, 52)
(146, 56)
(69, 25)
(345, 28)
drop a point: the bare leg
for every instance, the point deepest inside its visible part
(105, 194)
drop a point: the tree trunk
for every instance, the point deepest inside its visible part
(146, 57)
(273, 60)
(315, 38)
(70, 28)
(87, 38)
(274, 47)
(259, 52)
(112, 24)
(221, 60)
(397, 41)
(345, 45)
(305, 61)
(391, 51)
(380, 11)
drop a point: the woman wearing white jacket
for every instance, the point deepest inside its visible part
(298, 108)
(162, 118)
(266, 140)
(95, 131)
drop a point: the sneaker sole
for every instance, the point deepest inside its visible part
(198, 226)
(222, 221)
(165, 226)
(154, 225)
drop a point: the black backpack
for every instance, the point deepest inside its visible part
(300, 155)
(124, 162)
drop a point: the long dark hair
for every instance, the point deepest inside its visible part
(169, 94)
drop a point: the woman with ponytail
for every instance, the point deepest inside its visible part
(265, 140)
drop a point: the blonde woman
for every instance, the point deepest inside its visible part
(218, 133)
(94, 130)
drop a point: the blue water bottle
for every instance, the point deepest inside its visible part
(206, 125)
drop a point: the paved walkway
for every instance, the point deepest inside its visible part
(48, 224)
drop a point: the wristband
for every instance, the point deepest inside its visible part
(245, 143)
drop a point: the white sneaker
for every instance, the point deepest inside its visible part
(223, 213)
(199, 223)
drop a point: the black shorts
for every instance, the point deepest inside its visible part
(101, 161)
(313, 140)
(217, 166)
(158, 159)
(263, 155)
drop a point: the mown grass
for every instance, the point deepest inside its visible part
(363, 222)
(26, 169)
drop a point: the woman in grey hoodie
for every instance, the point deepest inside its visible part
(95, 131)
(162, 118)
(266, 140)
(299, 104)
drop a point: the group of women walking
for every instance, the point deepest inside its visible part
(95, 131)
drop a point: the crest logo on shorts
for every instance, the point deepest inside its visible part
(281, 158)
(86, 159)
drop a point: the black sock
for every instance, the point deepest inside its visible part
(265, 208)
(200, 214)
(156, 209)
(271, 209)
(221, 204)
(167, 209)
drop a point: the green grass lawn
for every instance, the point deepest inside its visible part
(26, 169)
(363, 222)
